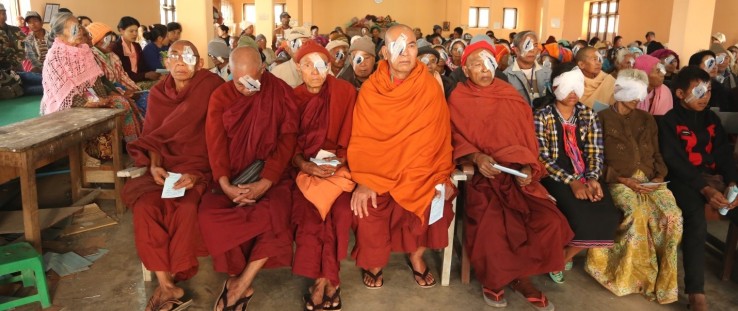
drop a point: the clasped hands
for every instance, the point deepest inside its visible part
(245, 194)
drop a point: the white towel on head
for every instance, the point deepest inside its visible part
(567, 82)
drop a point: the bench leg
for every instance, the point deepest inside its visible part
(730, 248)
(448, 252)
(29, 195)
(75, 172)
(118, 165)
(146, 273)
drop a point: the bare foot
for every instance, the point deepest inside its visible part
(697, 302)
(162, 294)
(418, 264)
(330, 292)
(369, 281)
(236, 291)
(316, 293)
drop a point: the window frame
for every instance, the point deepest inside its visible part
(167, 10)
(606, 35)
(244, 12)
(478, 14)
(515, 23)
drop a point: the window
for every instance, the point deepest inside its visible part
(509, 18)
(478, 17)
(167, 11)
(603, 19)
(278, 9)
(249, 13)
(13, 9)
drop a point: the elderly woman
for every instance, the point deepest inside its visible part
(721, 97)
(321, 208)
(659, 100)
(513, 229)
(670, 59)
(622, 59)
(644, 258)
(724, 60)
(131, 55)
(456, 49)
(103, 39)
(571, 149)
(72, 78)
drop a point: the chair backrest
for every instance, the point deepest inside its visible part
(728, 119)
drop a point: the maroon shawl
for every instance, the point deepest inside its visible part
(326, 117)
(175, 129)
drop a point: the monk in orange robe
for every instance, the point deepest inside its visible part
(247, 226)
(167, 236)
(400, 158)
(513, 229)
(322, 237)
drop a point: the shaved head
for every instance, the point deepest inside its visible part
(245, 61)
(405, 59)
(393, 32)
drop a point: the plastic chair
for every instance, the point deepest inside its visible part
(22, 258)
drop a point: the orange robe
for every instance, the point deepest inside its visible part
(240, 130)
(401, 148)
(165, 230)
(326, 124)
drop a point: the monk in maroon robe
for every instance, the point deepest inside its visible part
(326, 105)
(173, 140)
(247, 227)
(513, 229)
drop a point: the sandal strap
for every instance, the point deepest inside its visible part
(243, 301)
(541, 300)
(375, 277)
(497, 295)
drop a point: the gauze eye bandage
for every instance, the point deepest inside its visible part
(629, 89)
(398, 46)
(188, 56)
(444, 55)
(720, 59)
(709, 64)
(319, 64)
(250, 84)
(107, 40)
(425, 59)
(460, 50)
(528, 45)
(489, 61)
(295, 44)
(570, 81)
(698, 92)
(575, 50)
(340, 55)
(661, 68)
(74, 30)
(358, 59)
(669, 59)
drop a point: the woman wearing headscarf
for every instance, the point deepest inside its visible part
(671, 62)
(659, 100)
(571, 149)
(644, 257)
(72, 78)
(721, 97)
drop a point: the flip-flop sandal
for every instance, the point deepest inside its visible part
(494, 299)
(569, 265)
(243, 302)
(557, 277)
(223, 296)
(177, 304)
(533, 301)
(310, 305)
(332, 300)
(374, 277)
(422, 276)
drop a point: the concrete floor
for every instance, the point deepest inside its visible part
(115, 281)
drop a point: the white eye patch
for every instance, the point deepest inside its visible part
(107, 40)
(575, 49)
(661, 68)
(720, 59)
(528, 45)
(669, 59)
(709, 64)
(489, 60)
(319, 64)
(188, 56)
(250, 84)
(358, 59)
(74, 30)
(425, 59)
(460, 50)
(295, 44)
(340, 55)
(444, 55)
(632, 62)
(698, 92)
(398, 46)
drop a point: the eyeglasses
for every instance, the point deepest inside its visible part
(185, 58)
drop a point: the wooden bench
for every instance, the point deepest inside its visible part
(28, 145)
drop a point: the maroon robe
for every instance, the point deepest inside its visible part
(511, 231)
(240, 130)
(166, 231)
(325, 124)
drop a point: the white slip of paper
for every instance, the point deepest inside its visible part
(437, 205)
(169, 192)
(320, 162)
(651, 184)
(732, 194)
(510, 171)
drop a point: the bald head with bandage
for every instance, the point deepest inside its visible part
(400, 50)
(182, 62)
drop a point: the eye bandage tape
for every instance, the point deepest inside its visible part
(528, 45)
(398, 46)
(669, 59)
(489, 61)
(188, 56)
(662, 68)
(358, 59)
(425, 59)
(319, 64)
(571, 81)
(720, 59)
(444, 55)
(250, 84)
(698, 92)
(340, 55)
(709, 64)
(74, 30)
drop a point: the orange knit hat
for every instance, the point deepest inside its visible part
(98, 31)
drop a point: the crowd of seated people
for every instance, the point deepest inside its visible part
(612, 149)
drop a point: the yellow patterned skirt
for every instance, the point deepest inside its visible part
(644, 257)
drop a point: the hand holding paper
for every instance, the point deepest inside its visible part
(169, 192)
